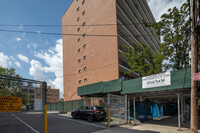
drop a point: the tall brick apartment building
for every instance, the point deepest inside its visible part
(105, 26)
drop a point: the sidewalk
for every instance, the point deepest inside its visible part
(163, 126)
(144, 128)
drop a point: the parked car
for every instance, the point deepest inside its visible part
(24, 107)
(89, 112)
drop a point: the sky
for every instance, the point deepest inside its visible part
(38, 56)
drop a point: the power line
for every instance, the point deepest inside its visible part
(48, 33)
(78, 73)
(51, 25)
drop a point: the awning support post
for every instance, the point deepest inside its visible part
(182, 112)
(126, 109)
(134, 110)
(179, 116)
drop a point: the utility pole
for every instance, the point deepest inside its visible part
(194, 68)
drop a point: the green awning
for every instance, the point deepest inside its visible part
(179, 80)
(90, 89)
(112, 86)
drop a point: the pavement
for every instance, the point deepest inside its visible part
(165, 125)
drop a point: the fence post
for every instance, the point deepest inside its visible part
(126, 109)
(44, 84)
(108, 97)
(179, 116)
(134, 110)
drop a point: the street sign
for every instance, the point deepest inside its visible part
(121, 107)
(10, 104)
(196, 76)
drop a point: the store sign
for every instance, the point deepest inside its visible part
(121, 107)
(196, 76)
(10, 104)
(157, 80)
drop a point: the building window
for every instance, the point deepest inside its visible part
(83, 24)
(79, 81)
(38, 95)
(83, 2)
(85, 68)
(78, 39)
(56, 99)
(38, 90)
(78, 9)
(83, 13)
(84, 34)
(85, 80)
(55, 95)
(79, 50)
(78, 18)
(78, 29)
(79, 71)
(84, 57)
(79, 60)
(84, 46)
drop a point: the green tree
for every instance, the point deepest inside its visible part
(4, 83)
(12, 88)
(174, 27)
(143, 60)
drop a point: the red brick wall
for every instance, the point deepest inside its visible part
(101, 52)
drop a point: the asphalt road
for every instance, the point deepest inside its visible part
(32, 122)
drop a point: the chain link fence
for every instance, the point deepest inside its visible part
(118, 109)
(118, 105)
(66, 106)
(21, 105)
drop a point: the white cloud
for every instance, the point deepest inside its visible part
(32, 44)
(54, 61)
(23, 58)
(4, 60)
(18, 64)
(11, 57)
(159, 7)
(18, 39)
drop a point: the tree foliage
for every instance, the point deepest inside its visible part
(4, 83)
(12, 88)
(174, 26)
(143, 60)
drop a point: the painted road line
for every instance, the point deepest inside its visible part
(25, 123)
(78, 121)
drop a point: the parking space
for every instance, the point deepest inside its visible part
(31, 122)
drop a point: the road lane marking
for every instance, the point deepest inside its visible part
(78, 121)
(25, 123)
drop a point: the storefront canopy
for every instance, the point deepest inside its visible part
(179, 80)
